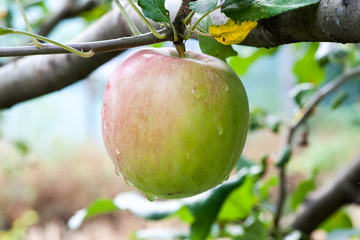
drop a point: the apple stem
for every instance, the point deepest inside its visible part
(180, 47)
(184, 15)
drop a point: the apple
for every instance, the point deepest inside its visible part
(174, 127)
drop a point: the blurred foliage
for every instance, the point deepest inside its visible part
(259, 119)
(20, 225)
(221, 204)
(306, 68)
(247, 56)
(301, 93)
(303, 188)
(97, 12)
(340, 219)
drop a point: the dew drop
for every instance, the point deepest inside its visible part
(197, 94)
(226, 87)
(117, 151)
(151, 197)
(127, 181)
(219, 129)
(103, 112)
(117, 172)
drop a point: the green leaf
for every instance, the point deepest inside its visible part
(265, 187)
(307, 68)
(301, 93)
(254, 229)
(250, 10)
(284, 157)
(257, 118)
(201, 210)
(243, 163)
(240, 202)
(206, 210)
(96, 12)
(100, 206)
(4, 31)
(340, 219)
(302, 191)
(242, 62)
(155, 10)
(203, 6)
(213, 48)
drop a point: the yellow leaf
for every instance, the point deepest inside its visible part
(231, 32)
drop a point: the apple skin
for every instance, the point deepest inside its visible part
(174, 127)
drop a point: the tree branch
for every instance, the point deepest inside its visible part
(328, 199)
(328, 21)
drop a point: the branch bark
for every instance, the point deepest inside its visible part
(328, 199)
(328, 21)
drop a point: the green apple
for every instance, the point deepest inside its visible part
(174, 127)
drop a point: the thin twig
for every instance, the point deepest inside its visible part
(300, 118)
(96, 47)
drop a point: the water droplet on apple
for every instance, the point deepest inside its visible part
(117, 151)
(151, 197)
(196, 93)
(127, 181)
(226, 87)
(103, 112)
(117, 172)
(220, 129)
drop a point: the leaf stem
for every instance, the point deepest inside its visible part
(199, 20)
(28, 26)
(70, 49)
(188, 18)
(128, 20)
(148, 24)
